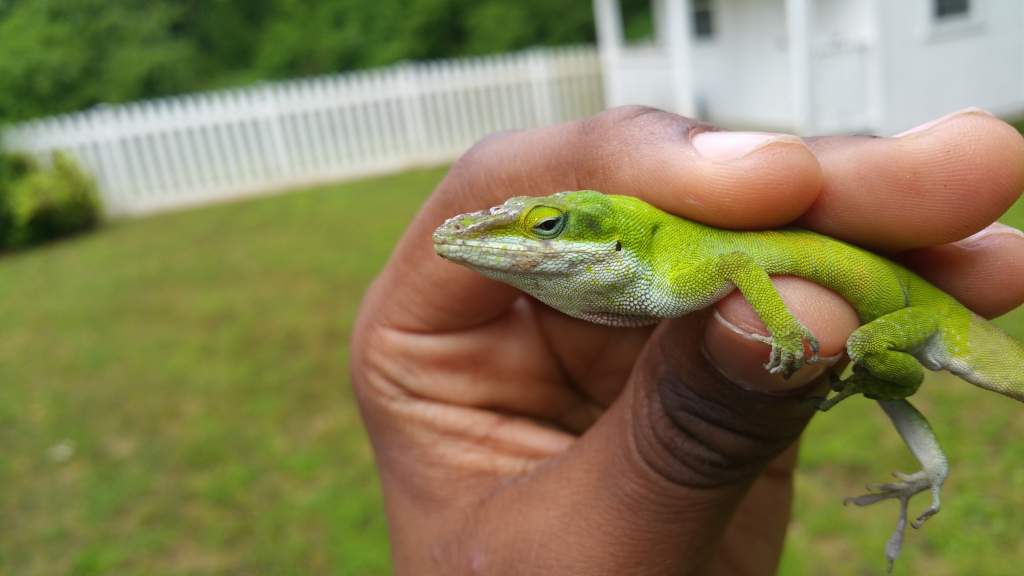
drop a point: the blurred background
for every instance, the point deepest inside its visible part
(174, 391)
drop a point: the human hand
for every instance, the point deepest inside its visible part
(511, 438)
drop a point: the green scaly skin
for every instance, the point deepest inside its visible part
(619, 261)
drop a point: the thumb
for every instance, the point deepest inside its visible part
(651, 487)
(734, 337)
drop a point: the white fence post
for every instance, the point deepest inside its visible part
(540, 81)
(412, 110)
(115, 183)
(280, 157)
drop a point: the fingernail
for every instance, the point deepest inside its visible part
(724, 146)
(933, 123)
(993, 230)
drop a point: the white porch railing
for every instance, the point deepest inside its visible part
(193, 149)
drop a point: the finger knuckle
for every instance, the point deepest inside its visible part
(640, 121)
(605, 137)
(692, 427)
(618, 121)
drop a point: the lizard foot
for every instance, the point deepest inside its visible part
(907, 486)
(787, 355)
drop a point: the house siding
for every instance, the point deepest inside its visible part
(929, 70)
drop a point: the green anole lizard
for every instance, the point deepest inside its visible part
(619, 261)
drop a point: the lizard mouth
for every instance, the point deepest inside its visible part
(489, 255)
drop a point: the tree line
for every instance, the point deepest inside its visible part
(64, 55)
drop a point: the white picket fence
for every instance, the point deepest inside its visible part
(172, 152)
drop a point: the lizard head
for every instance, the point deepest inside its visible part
(550, 235)
(576, 251)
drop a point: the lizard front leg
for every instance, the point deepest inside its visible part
(918, 436)
(787, 333)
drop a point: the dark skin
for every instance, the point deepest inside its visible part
(513, 439)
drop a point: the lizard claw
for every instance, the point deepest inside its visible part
(783, 361)
(812, 342)
(787, 355)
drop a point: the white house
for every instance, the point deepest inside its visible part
(819, 66)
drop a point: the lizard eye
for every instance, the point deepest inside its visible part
(549, 227)
(545, 221)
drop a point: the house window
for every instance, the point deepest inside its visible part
(951, 8)
(952, 19)
(703, 19)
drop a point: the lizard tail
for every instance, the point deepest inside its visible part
(985, 356)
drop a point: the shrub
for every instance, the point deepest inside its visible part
(12, 167)
(49, 203)
(6, 217)
(15, 165)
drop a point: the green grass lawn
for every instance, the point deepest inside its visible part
(196, 366)
(174, 400)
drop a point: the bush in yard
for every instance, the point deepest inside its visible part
(49, 203)
(6, 216)
(15, 165)
(12, 167)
